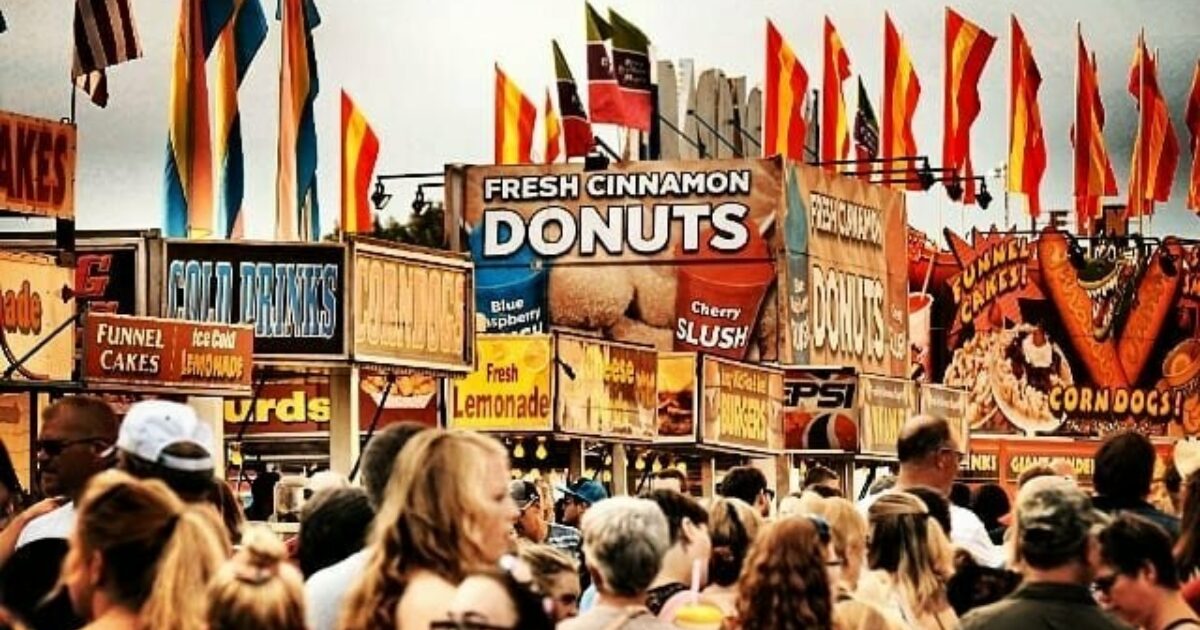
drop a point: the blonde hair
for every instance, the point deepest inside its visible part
(155, 548)
(797, 504)
(853, 614)
(257, 589)
(545, 562)
(429, 520)
(848, 527)
(910, 545)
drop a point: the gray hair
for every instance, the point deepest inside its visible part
(624, 540)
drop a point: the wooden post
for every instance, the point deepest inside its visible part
(343, 420)
(620, 464)
(708, 477)
(211, 411)
(575, 466)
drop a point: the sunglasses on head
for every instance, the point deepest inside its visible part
(54, 448)
(822, 526)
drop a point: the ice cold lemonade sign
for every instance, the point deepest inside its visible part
(669, 254)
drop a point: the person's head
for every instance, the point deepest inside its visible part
(624, 541)
(687, 521)
(1173, 484)
(823, 477)
(1124, 467)
(1054, 526)
(447, 511)
(928, 452)
(1187, 549)
(991, 503)
(732, 525)
(258, 588)
(748, 484)
(907, 543)
(10, 486)
(556, 577)
(1033, 472)
(784, 583)
(671, 479)
(882, 484)
(1136, 568)
(798, 503)
(494, 599)
(849, 531)
(229, 508)
(937, 504)
(164, 440)
(579, 497)
(960, 495)
(138, 547)
(333, 526)
(531, 520)
(72, 445)
(379, 457)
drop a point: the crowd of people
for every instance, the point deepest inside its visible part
(137, 532)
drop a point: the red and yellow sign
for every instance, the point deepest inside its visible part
(123, 351)
(35, 298)
(743, 406)
(37, 166)
(299, 406)
(510, 390)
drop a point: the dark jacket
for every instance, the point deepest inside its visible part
(1113, 507)
(1043, 606)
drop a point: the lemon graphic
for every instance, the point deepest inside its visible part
(536, 357)
(496, 352)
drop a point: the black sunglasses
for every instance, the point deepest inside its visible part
(54, 448)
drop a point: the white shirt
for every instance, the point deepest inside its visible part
(326, 589)
(966, 531)
(58, 523)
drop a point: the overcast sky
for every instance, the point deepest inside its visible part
(422, 72)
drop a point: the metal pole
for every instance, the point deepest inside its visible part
(391, 380)
(716, 133)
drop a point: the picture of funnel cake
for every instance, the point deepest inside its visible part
(1028, 365)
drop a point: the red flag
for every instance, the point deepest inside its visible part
(578, 130)
(360, 149)
(553, 132)
(835, 124)
(967, 50)
(901, 91)
(515, 118)
(1156, 149)
(604, 96)
(1193, 124)
(783, 117)
(1094, 177)
(1026, 142)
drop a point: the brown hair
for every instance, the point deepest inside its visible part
(427, 521)
(1187, 549)
(907, 543)
(732, 525)
(784, 583)
(155, 549)
(257, 589)
(545, 562)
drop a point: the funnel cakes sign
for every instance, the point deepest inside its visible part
(674, 255)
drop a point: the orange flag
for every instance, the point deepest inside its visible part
(1193, 124)
(1026, 144)
(1156, 149)
(1094, 177)
(553, 132)
(835, 125)
(360, 149)
(967, 50)
(515, 117)
(901, 91)
(787, 83)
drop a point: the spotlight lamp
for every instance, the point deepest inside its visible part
(984, 197)
(925, 176)
(1076, 254)
(1166, 260)
(418, 204)
(954, 189)
(379, 198)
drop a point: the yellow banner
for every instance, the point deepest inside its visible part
(510, 389)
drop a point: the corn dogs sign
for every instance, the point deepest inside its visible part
(37, 166)
(675, 255)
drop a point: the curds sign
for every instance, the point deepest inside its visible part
(37, 166)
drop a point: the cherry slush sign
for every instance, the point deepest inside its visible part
(121, 351)
(37, 166)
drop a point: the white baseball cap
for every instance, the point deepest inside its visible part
(153, 425)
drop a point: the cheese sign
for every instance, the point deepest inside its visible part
(123, 351)
(412, 309)
(37, 166)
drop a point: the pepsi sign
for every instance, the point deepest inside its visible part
(818, 410)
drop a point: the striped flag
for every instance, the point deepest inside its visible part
(787, 83)
(631, 67)
(515, 118)
(1026, 142)
(604, 96)
(1094, 177)
(297, 215)
(1155, 148)
(1192, 119)
(835, 123)
(901, 91)
(553, 132)
(3, 24)
(105, 35)
(967, 50)
(866, 133)
(189, 168)
(360, 149)
(238, 44)
(577, 129)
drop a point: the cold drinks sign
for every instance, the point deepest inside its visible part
(669, 254)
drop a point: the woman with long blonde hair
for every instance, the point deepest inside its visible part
(447, 514)
(139, 554)
(258, 589)
(910, 560)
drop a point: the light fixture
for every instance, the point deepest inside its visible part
(681, 466)
(607, 476)
(541, 452)
(1166, 260)
(640, 464)
(1075, 253)
(419, 204)
(984, 197)
(517, 473)
(379, 197)
(589, 473)
(608, 459)
(925, 175)
(954, 189)
(519, 451)
(657, 467)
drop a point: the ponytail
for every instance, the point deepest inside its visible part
(193, 552)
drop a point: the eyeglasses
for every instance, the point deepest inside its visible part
(466, 621)
(950, 449)
(54, 448)
(1103, 584)
(567, 599)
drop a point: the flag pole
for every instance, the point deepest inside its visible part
(1007, 175)
(1079, 222)
(1139, 146)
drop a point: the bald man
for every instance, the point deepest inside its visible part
(930, 456)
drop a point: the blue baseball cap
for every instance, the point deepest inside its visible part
(586, 490)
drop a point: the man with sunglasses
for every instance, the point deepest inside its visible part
(1056, 544)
